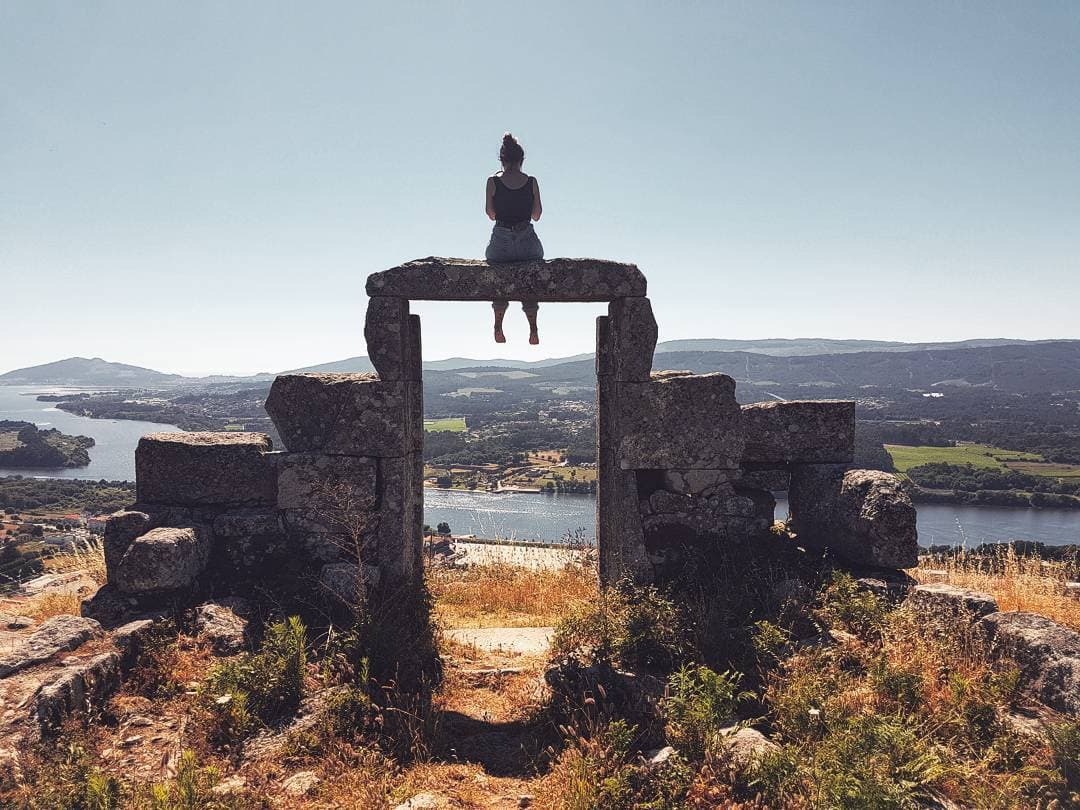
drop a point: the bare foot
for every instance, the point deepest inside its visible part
(499, 336)
(534, 338)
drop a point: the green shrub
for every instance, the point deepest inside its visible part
(847, 606)
(699, 703)
(637, 628)
(192, 788)
(875, 762)
(66, 778)
(771, 644)
(976, 709)
(1065, 743)
(899, 685)
(258, 687)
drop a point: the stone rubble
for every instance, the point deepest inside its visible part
(223, 624)
(948, 603)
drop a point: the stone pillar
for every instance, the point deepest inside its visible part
(344, 425)
(625, 341)
(391, 346)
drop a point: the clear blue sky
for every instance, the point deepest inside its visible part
(204, 186)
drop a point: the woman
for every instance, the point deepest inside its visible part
(512, 200)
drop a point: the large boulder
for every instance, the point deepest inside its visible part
(164, 559)
(1047, 652)
(439, 279)
(678, 420)
(864, 516)
(205, 469)
(344, 414)
(800, 432)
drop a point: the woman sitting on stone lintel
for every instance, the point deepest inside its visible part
(513, 201)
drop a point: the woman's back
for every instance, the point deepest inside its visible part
(512, 204)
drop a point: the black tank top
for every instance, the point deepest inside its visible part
(513, 205)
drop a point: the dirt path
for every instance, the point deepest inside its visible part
(493, 677)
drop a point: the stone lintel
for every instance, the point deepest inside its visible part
(799, 432)
(204, 469)
(342, 414)
(444, 279)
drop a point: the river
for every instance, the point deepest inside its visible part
(111, 458)
(520, 516)
(549, 518)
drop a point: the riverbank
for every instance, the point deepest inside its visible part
(112, 456)
(995, 497)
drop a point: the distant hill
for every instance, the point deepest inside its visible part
(772, 347)
(805, 347)
(1018, 368)
(807, 362)
(88, 371)
(350, 365)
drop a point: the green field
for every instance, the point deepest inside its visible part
(1067, 472)
(978, 455)
(455, 424)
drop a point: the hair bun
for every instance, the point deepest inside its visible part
(511, 151)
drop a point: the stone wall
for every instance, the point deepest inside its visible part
(341, 505)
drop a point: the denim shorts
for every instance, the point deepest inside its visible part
(508, 245)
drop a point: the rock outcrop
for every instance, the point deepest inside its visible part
(1047, 652)
(948, 604)
(56, 635)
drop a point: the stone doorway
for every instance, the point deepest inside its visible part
(625, 340)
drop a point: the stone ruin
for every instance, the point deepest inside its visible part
(341, 506)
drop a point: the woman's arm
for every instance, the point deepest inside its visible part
(538, 209)
(489, 198)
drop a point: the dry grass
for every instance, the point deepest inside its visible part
(504, 595)
(53, 604)
(86, 557)
(1016, 582)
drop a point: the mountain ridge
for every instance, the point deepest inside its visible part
(700, 353)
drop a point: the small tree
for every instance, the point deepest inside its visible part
(443, 528)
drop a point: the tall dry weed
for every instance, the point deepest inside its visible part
(85, 557)
(505, 595)
(1016, 581)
